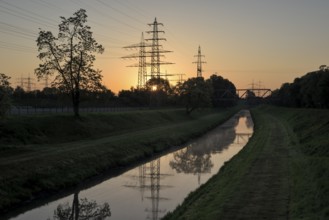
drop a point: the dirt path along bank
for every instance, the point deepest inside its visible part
(274, 177)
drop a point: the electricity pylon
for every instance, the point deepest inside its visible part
(199, 62)
(142, 64)
(155, 53)
(156, 49)
(26, 83)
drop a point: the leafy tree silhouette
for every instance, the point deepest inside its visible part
(4, 94)
(71, 56)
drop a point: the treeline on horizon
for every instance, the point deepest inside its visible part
(157, 92)
(308, 91)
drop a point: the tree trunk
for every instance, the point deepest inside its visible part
(189, 110)
(75, 207)
(76, 109)
(76, 102)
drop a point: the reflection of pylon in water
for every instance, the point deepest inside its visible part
(199, 178)
(242, 138)
(149, 179)
(142, 170)
(155, 188)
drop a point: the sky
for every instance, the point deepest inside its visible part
(265, 42)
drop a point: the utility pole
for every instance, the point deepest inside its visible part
(259, 87)
(199, 62)
(252, 85)
(156, 49)
(46, 78)
(180, 79)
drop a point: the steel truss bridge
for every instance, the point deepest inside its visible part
(242, 93)
(262, 93)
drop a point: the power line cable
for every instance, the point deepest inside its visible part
(107, 15)
(135, 8)
(26, 15)
(120, 12)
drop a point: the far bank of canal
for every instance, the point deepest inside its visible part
(157, 187)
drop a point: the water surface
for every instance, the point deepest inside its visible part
(151, 190)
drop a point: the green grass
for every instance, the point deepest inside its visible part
(282, 173)
(310, 163)
(63, 128)
(43, 154)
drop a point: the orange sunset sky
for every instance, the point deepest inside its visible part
(265, 41)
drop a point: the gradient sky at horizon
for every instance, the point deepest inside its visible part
(267, 41)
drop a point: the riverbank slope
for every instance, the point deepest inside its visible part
(282, 173)
(43, 154)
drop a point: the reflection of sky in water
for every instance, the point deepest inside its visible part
(151, 190)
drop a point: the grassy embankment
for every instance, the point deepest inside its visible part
(43, 154)
(282, 173)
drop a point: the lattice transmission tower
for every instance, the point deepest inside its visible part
(157, 50)
(153, 50)
(26, 83)
(142, 64)
(199, 62)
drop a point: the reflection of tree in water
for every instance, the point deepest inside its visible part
(246, 114)
(82, 209)
(189, 161)
(196, 158)
(217, 142)
(249, 122)
(218, 139)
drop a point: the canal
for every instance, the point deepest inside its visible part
(151, 190)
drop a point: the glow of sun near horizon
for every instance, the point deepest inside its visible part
(260, 41)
